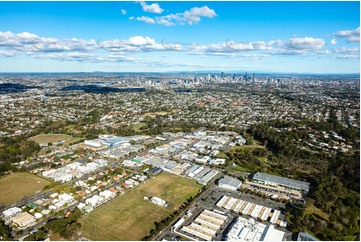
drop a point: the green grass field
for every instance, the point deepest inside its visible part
(50, 137)
(137, 127)
(16, 185)
(247, 147)
(154, 114)
(73, 140)
(130, 217)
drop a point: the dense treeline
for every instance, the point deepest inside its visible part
(5, 231)
(15, 149)
(334, 178)
(66, 226)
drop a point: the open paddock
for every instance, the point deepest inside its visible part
(17, 185)
(130, 217)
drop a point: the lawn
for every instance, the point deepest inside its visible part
(130, 217)
(16, 185)
(241, 169)
(312, 209)
(137, 127)
(154, 114)
(50, 137)
(74, 140)
(247, 147)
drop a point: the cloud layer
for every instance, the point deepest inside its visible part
(350, 35)
(115, 50)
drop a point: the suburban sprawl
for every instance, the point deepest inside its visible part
(214, 156)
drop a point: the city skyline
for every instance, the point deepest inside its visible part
(298, 37)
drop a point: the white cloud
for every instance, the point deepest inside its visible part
(152, 8)
(191, 16)
(140, 40)
(165, 22)
(117, 50)
(250, 46)
(194, 14)
(306, 43)
(333, 41)
(10, 39)
(29, 43)
(228, 48)
(139, 43)
(123, 11)
(293, 46)
(7, 53)
(350, 35)
(349, 51)
(145, 19)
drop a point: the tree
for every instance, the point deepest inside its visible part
(5, 231)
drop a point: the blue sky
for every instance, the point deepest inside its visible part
(300, 37)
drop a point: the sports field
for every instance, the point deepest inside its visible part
(130, 217)
(16, 185)
(50, 137)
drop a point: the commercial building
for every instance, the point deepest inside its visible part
(249, 230)
(203, 175)
(287, 183)
(11, 212)
(205, 225)
(229, 183)
(23, 220)
(254, 210)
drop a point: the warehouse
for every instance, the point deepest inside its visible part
(11, 212)
(248, 208)
(288, 183)
(205, 225)
(250, 230)
(23, 220)
(229, 183)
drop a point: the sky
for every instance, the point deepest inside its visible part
(122, 36)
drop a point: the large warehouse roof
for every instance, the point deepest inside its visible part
(287, 182)
(226, 180)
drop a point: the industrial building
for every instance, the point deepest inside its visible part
(249, 230)
(11, 212)
(287, 183)
(254, 210)
(201, 174)
(205, 225)
(23, 220)
(229, 183)
(304, 236)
